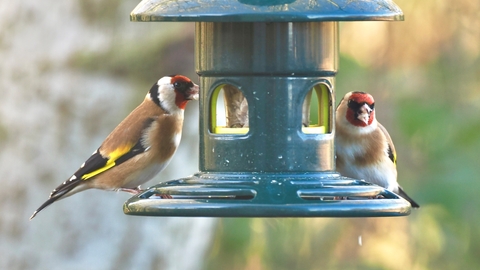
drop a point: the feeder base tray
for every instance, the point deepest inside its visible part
(267, 195)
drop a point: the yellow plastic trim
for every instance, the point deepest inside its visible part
(322, 110)
(213, 109)
(213, 117)
(227, 130)
(314, 129)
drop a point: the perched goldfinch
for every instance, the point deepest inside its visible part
(363, 146)
(139, 147)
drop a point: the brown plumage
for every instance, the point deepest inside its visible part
(139, 147)
(364, 149)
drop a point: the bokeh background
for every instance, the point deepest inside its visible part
(424, 73)
(71, 70)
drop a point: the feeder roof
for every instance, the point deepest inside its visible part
(266, 10)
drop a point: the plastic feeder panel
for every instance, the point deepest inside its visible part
(267, 77)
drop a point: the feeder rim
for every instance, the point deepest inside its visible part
(283, 11)
(261, 18)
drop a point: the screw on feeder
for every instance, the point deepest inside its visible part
(273, 155)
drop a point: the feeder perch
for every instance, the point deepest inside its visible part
(267, 75)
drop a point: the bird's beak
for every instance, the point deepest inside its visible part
(192, 93)
(364, 113)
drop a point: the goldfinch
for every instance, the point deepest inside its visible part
(363, 146)
(139, 147)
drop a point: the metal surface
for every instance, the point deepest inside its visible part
(291, 50)
(266, 10)
(267, 195)
(275, 65)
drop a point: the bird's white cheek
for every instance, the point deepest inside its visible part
(164, 80)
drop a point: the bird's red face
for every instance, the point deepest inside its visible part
(360, 110)
(185, 90)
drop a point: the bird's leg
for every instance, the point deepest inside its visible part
(133, 191)
(138, 190)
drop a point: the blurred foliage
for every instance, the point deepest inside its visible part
(425, 75)
(105, 12)
(144, 59)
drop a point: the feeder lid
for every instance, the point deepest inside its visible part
(266, 10)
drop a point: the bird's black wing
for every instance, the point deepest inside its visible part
(96, 164)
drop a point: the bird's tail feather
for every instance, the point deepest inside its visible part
(406, 197)
(60, 192)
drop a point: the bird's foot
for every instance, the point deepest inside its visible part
(133, 191)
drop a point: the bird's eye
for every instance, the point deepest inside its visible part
(177, 84)
(352, 104)
(182, 86)
(372, 106)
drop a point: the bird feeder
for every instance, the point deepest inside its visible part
(267, 77)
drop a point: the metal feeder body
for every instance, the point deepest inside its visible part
(272, 64)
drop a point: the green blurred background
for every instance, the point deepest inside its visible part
(424, 73)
